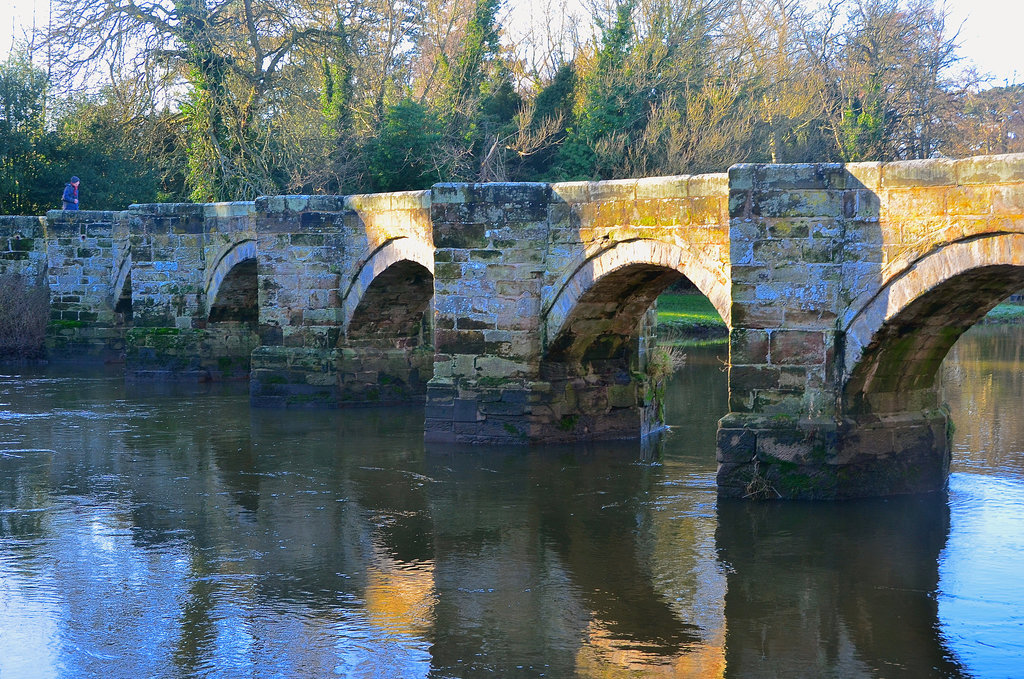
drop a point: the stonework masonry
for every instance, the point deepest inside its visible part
(850, 283)
(522, 313)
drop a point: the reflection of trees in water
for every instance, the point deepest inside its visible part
(982, 382)
(834, 589)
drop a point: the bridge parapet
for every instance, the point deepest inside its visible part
(23, 247)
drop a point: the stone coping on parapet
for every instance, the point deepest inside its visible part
(239, 208)
(13, 226)
(397, 200)
(878, 176)
(78, 216)
(81, 221)
(647, 188)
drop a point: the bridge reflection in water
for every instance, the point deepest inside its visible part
(195, 536)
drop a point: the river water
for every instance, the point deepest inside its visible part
(162, 531)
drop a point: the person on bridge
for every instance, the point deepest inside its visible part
(70, 197)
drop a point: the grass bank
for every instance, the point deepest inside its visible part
(686, 318)
(1009, 313)
(689, 318)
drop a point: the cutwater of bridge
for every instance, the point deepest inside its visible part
(850, 283)
(542, 302)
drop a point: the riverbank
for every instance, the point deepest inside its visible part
(1007, 313)
(688, 319)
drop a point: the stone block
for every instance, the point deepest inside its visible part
(745, 378)
(990, 169)
(614, 190)
(797, 347)
(757, 315)
(571, 192)
(496, 367)
(622, 395)
(863, 176)
(712, 184)
(748, 347)
(803, 176)
(662, 187)
(919, 173)
(736, 446)
(743, 176)
(797, 203)
(1008, 200)
(970, 200)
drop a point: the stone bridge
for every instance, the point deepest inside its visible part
(522, 312)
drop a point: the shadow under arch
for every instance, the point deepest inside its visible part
(233, 286)
(606, 379)
(895, 345)
(642, 269)
(123, 293)
(388, 300)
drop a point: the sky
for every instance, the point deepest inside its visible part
(990, 33)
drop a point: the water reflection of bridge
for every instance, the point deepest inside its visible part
(297, 541)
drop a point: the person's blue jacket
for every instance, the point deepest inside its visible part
(70, 197)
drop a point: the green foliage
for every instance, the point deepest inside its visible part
(96, 146)
(691, 310)
(399, 158)
(380, 95)
(464, 75)
(30, 180)
(88, 137)
(612, 104)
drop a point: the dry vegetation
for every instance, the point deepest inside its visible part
(24, 312)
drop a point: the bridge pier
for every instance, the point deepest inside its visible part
(789, 457)
(807, 245)
(345, 290)
(80, 250)
(496, 379)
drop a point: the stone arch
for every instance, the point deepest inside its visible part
(387, 298)
(895, 344)
(121, 295)
(123, 292)
(122, 276)
(609, 291)
(231, 287)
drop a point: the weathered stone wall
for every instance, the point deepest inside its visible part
(490, 242)
(23, 247)
(81, 252)
(170, 272)
(319, 257)
(850, 283)
(541, 296)
(173, 248)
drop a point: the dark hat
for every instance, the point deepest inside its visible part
(74, 180)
